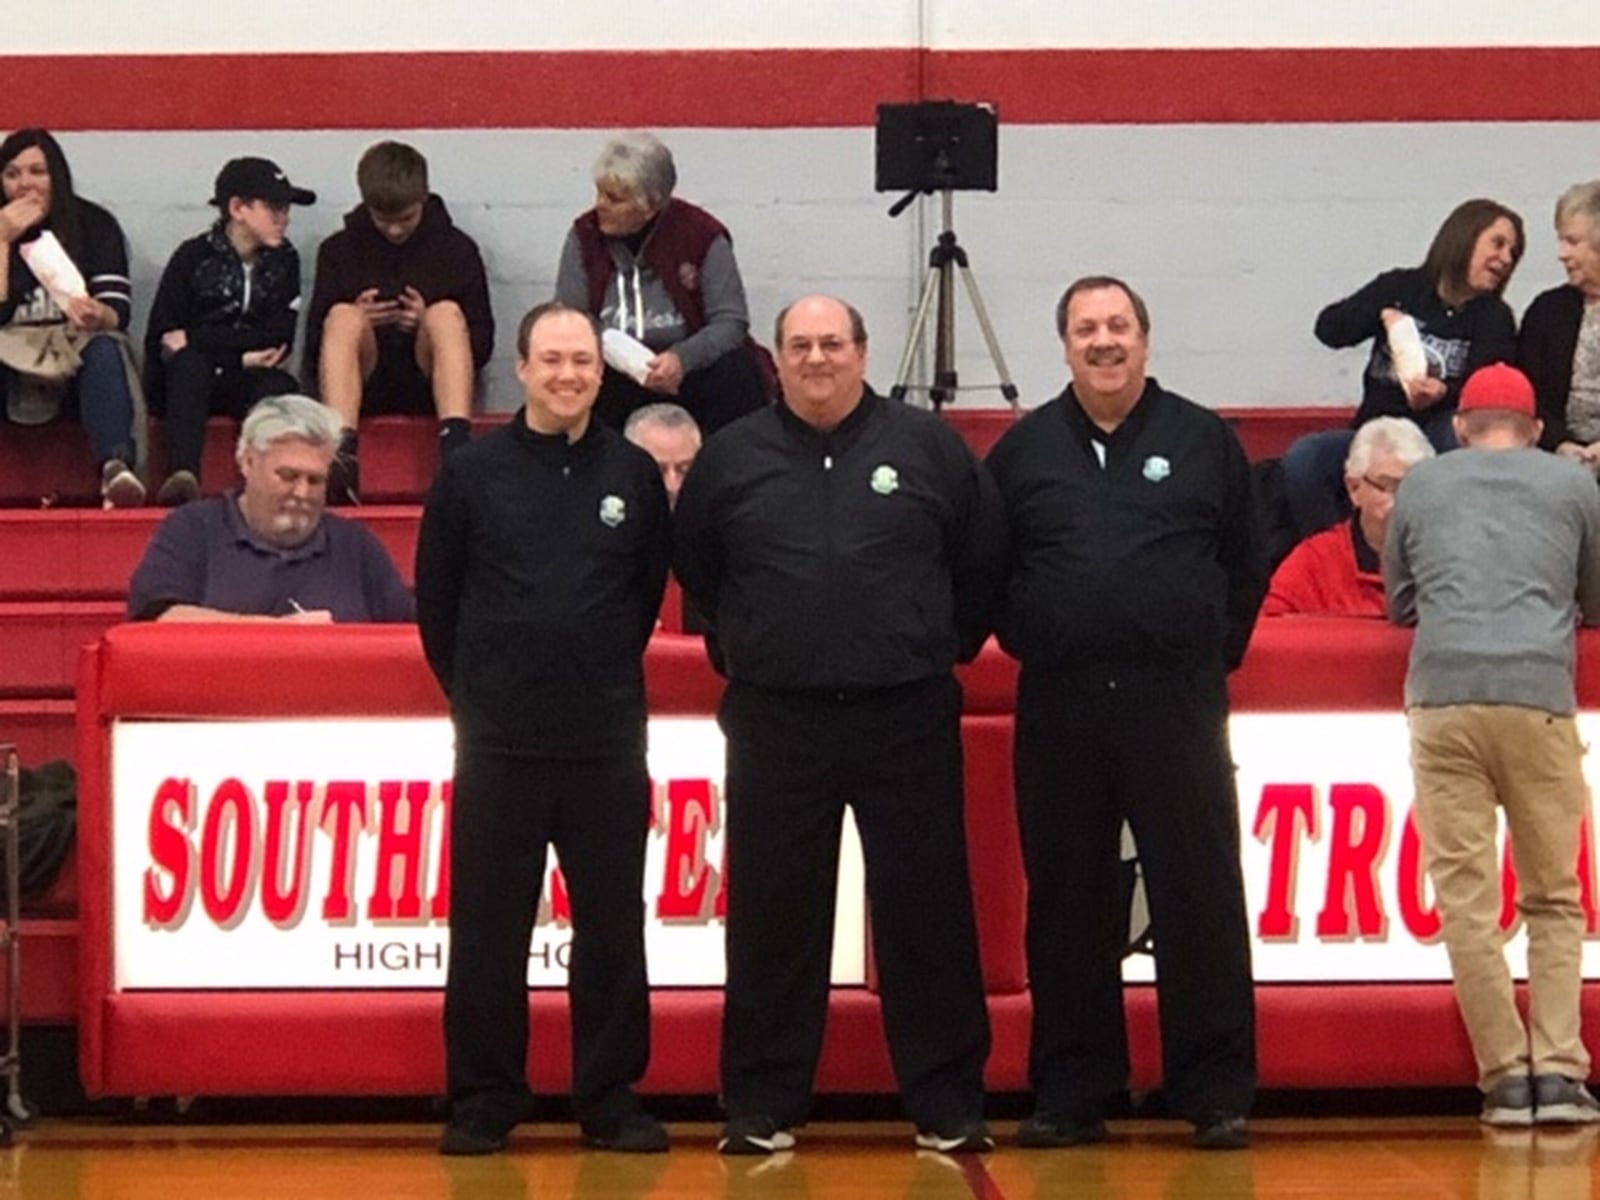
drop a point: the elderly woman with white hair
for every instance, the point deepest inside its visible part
(662, 270)
(1337, 572)
(1559, 345)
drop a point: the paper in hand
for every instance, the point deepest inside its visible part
(48, 261)
(626, 353)
(1405, 347)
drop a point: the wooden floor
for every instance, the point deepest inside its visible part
(1351, 1159)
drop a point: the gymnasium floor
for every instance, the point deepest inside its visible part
(1349, 1158)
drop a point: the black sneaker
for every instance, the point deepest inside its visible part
(465, 1140)
(1222, 1131)
(180, 488)
(1042, 1131)
(636, 1132)
(754, 1135)
(1558, 1100)
(1509, 1104)
(964, 1137)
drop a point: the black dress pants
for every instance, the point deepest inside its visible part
(719, 392)
(1092, 749)
(199, 385)
(505, 810)
(794, 762)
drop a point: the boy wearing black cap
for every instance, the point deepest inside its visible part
(224, 316)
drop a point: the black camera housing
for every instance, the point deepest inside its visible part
(938, 145)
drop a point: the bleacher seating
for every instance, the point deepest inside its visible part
(64, 569)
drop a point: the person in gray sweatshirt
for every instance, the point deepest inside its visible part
(1493, 553)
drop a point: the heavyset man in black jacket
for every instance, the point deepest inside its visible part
(1136, 571)
(540, 567)
(844, 550)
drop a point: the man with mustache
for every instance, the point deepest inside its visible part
(1136, 572)
(268, 552)
(844, 550)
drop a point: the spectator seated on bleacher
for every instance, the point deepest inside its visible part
(1430, 327)
(400, 319)
(668, 433)
(270, 551)
(1558, 347)
(1337, 572)
(64, 307)
(223, 320)
(662, 271)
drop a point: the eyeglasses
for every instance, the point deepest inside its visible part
(1389, 486)
(831, 347)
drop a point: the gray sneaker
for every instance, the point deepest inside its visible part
(119, 487)
(1558, 1100)
(1509, 1102)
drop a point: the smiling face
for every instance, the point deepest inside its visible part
(1107, 349)
(821, 365)
(560, 372)
(28, 174)
(1494, 257)
(1579, 253)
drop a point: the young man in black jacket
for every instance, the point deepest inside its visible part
(1136, 572)
(844, 550)
(540, 566)
(223, 320)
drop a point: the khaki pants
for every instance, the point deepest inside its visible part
(1469, 760)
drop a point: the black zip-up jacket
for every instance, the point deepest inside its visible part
(1546, 345)
(540, 568)
(1154, 561)
(1458, 340)
(204, 292)
(861, 558)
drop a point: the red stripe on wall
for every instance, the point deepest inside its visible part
(792, 88)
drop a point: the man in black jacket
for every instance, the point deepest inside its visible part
(1136, 572)
(844, 550)
(540, 566)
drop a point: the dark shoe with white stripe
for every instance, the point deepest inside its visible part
(754, 1135)
(964, 1137)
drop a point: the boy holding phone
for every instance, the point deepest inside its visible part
(400, 319)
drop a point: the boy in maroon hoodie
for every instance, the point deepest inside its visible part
(400, 319)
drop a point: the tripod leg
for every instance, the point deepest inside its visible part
(919, 329)
(1008, 389)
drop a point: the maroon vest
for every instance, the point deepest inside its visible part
(675, 250)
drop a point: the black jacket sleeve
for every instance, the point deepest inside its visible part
(1242, 552)
(1357, 317)
(1545, 348)
(657, 556)
(442, 546)
(977, 549)
(271, 318)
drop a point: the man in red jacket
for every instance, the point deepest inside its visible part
(1336, 572)
(400, 319)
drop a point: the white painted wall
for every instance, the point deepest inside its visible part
(1237, 235)
(159, 26)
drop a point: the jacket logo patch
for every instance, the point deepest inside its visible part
(1156, 468)
(885, 480)
(613, 511)
(689, 275)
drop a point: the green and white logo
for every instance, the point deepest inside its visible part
(885, 479)
(1156, 468)
(613, 510)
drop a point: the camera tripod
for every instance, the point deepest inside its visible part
(947, 255)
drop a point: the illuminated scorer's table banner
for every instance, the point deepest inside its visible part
(1333, 868)
(313, 854)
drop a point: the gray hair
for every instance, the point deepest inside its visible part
(664, 414)
(641, 163)
(1387, 435)
(279, 417)
(1581, 200)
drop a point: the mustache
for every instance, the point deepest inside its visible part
(1108, 356)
